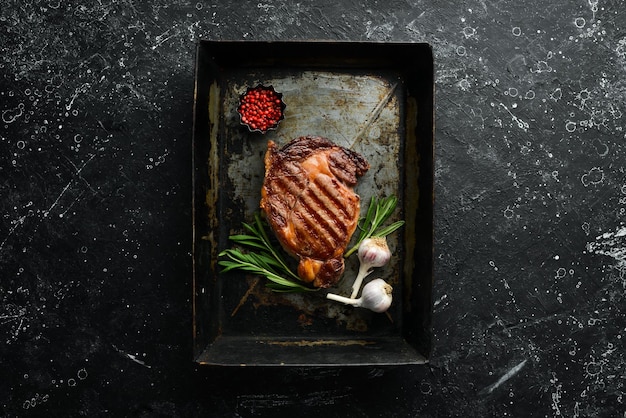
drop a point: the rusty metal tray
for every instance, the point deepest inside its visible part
(376, 98)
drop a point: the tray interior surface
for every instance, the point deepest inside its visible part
(374, 98)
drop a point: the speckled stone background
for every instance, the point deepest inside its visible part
(95, 230)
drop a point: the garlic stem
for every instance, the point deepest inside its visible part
(364, 271)
(343, 299)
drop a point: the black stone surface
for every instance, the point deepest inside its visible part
(95, 229)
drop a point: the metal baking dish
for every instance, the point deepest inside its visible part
(376, 98)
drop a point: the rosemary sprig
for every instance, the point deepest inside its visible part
(262, 259)
(377, 214)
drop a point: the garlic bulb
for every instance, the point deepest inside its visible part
(376, 296)
(373, 252)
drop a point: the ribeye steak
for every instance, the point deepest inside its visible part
(309, 202)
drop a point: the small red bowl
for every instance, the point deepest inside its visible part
(261, 108)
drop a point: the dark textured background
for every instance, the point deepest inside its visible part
(95, 234)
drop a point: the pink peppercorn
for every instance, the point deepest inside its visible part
(261, 108)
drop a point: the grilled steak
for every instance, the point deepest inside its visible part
(309, 202)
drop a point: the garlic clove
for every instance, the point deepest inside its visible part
(377, 296)
(373, 252)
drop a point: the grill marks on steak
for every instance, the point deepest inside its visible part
(309, 202)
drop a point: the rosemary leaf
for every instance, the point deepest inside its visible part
(248, 243)
(383, 232)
